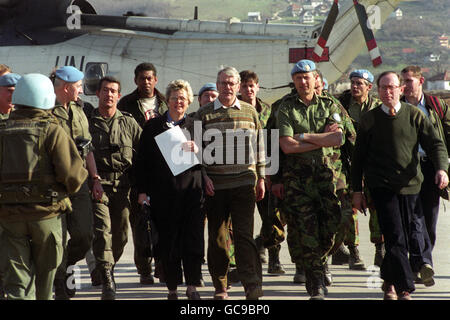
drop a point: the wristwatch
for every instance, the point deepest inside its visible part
(96, 177)
(301, 137)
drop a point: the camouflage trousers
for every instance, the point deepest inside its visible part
(312, 211)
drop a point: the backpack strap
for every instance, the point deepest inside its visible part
(437, 106)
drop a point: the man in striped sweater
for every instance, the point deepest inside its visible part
(233, 156)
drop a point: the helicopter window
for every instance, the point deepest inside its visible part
(94, 71)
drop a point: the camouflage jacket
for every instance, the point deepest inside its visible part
(295, 117)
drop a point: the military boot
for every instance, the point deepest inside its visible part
(299, 276)
(261, 249)
(274, 261)
(328, 279)
(60, 289)
(355, 262)
(315, 286)
(380, 251)
(109, 286)
(341, 256)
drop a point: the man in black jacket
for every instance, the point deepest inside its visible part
(437, 111)
(144, 103)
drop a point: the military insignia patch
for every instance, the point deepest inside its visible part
(336, 117)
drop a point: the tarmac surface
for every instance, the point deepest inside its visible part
(347, 284)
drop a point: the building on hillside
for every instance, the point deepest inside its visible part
(439, 82)
(294, 10)
(443, 41)
(254, 16)
(307, 17)
(398, 14)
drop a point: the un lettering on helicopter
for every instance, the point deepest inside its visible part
(40, 35)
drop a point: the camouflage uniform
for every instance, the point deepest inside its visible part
(355, 112)
(115, 141)
(341, 160)
(311, 205)
(79, 222)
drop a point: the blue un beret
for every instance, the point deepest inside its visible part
(207, 87)
(303, 66)
(363, 74)
(9, 79)
(69, 74)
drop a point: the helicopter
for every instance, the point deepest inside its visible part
(41, 35)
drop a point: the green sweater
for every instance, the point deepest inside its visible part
(386, 150)
(224, 143)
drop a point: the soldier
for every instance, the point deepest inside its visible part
(68, 86)
(115, 136)
(358, 101)
(208, 93)
(438, 112)
(310, 126)
(248, 93)
(42, 166)
(341, 161)
(144, 103)
(7, 85)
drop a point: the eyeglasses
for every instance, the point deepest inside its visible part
(182, 99)
(389, 88)
(228, 83)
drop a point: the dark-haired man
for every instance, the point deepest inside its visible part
(437, 111)
(144, 103)
(115, 136)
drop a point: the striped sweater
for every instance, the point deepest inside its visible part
(233, 146)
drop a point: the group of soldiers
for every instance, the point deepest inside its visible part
(68, 169)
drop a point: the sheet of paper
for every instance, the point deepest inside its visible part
(170, 143)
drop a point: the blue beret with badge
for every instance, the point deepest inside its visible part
(207, 87)
(9, 79)
(363, 74)
(69, 74)
(303, 66)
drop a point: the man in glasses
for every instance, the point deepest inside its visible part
(237, 183)
(386, 153)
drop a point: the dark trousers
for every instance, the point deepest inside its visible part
(143, 263)
(180, 248)
(239, 203)
(394, 216)
(429, 196)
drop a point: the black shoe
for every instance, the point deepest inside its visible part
(172, 296)
(109, 286)
(201, 283)
(60, 289)
(328, 279)
(233, 276)
(341, 256)
(274, 261)
(146, 279)
(193, 295)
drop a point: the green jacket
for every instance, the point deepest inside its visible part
(295, 117)
(73, 120)
(131, 104)
(386, 150)
(115, 142)
(356, 110)
(42, 163)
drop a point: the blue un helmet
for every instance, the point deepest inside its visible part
(34, 90)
